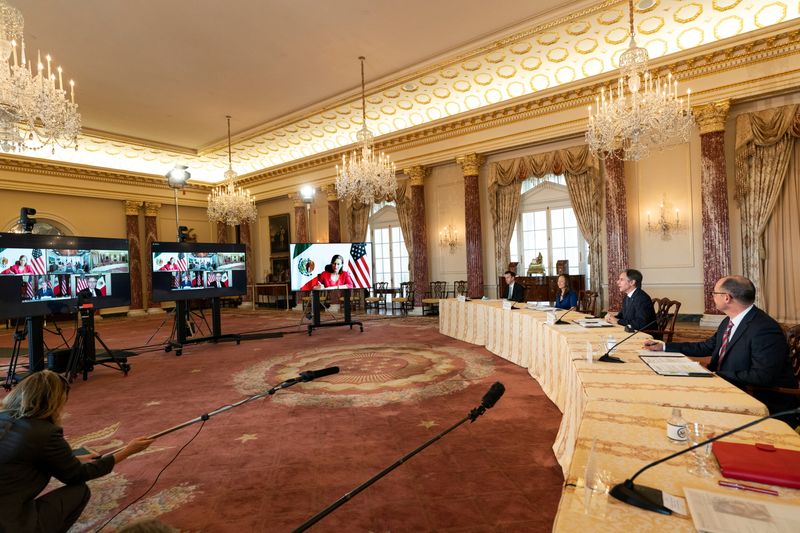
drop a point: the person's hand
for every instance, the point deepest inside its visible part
(135, 446)
(319, 286)
(654, 345)
(611, 319)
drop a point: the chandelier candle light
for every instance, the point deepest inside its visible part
(228, 203)
(650, 115)
(35, 110)
(365, 177)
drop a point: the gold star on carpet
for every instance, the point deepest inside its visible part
(151, 404)
(246, 437)
(428, 424)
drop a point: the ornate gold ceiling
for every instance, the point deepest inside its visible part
(547, 56)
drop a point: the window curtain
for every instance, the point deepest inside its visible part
(403, 203)
(356, 219)
(583, 185)
(764, 144)
(782, 240)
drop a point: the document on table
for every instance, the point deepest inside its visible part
(715, 512)
(593, 323)
(671, 365)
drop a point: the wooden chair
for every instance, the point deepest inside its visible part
(587, 302)
(460, 288)
(438, 292)
(793, 340)
(666, 316)
(378, 297)
(406, 298)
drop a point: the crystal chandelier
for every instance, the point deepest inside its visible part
(35, 110)
(365, 177)
(228, 203)
(651, 115)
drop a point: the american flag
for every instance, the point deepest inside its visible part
(81, 284)
(358, 266)
(27, 286)
(182, 264)
(61, 288)
(176, 280)
(211, 280)
(37, 262)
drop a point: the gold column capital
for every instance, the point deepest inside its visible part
(470, 163)
(416, 175)
(151, 209)
(297, 201)
(330, 193)
(711, 117)
(132, 207)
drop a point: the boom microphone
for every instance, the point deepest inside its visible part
(310, 375)
(652, 499)
(494, 393)
(606, 358)
(560, 321)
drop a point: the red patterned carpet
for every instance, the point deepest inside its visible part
(271, 464)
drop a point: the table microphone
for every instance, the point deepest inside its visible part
(651, 499)
(559, 319)
(605, 358)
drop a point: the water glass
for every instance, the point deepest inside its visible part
(699, 461)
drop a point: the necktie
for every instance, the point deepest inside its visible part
(510, 291)
(725, 337)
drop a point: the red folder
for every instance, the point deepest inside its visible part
(763, 463)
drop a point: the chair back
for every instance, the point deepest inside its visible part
(407, 291)
(438, 289)
(380, 288)
(793, 339)
(666, 316)
(587, 302)
(460, 288)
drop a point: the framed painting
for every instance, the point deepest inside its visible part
(280, 269)
(279, 234)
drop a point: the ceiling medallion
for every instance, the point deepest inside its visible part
(228, 203)
(365, 176)
(35, 109)
(650, 115)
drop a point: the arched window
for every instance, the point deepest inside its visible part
(43, 226)
(390, 256)
(547, 226)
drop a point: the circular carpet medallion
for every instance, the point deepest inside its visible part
(369, 375)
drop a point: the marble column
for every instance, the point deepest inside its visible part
(222, 233)
(714, 195)
(470, 167)
(150, 236)
(616, 228)
(300, 222)
(244, 238)
(419, 233)
(133, 235)
(334, 226)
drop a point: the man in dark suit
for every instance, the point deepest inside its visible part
(91, 291)
(749, 347)
(637, 306)
(514, 291)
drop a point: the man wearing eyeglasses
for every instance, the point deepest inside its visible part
(749, 347)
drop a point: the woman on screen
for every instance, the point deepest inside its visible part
(333, 277)
(21, 266)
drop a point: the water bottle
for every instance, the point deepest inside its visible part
(676, 427)
(611, 341)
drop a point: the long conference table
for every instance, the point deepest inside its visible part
(621, 409)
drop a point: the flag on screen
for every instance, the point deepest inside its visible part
(176, 280)
(61, 288)
(37, 262)
(224, 279)
(211, 279)
(182, 264)
(27, 287)
(81, 284)
(101, 285)
(358, 266)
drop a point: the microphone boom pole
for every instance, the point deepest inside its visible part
(606, 358)
(488, 401)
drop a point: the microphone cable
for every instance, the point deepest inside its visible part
(153, 484)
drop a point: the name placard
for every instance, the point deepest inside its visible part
(508, 305)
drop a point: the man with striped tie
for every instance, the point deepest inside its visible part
(749, 347)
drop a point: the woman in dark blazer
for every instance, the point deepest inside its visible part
(565, 297)
(33, 450)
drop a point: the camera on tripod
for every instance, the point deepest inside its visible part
(25, 219)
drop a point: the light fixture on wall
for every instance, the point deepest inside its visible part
(650, 116)
(176, 179)
(449, 237)
(665, 225)
(35, 109)
(365, 176)
(228, 203)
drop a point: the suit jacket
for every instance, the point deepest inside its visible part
(757, 354)
(31, 452)
(637, 310)
(517, 293)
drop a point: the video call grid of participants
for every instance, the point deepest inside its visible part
(62, 273)
(193, 261)
(200, 279)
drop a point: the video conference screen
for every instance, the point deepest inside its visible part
(47, 274)
(330, 266)
(189, 270)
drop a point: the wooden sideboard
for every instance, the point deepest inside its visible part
(541, 288)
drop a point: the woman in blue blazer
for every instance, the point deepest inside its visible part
(565, 297)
